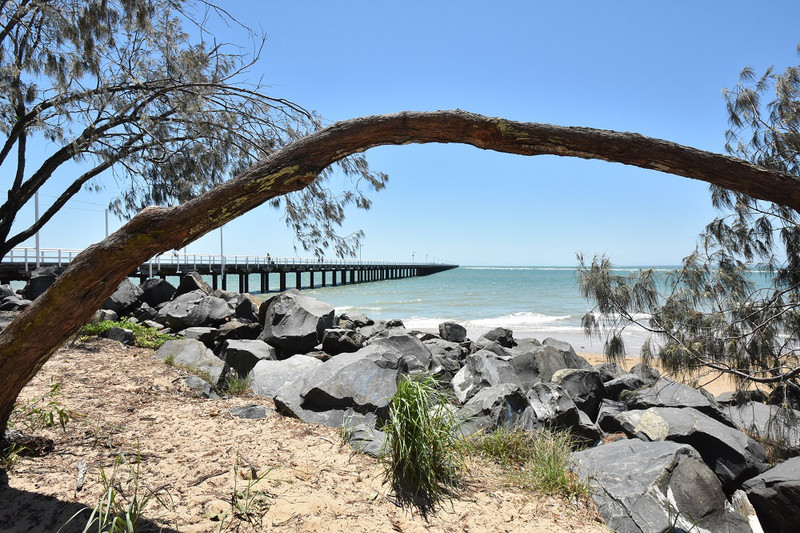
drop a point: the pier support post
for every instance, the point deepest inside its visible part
(283, 281)
(297, 280)
(322, 272)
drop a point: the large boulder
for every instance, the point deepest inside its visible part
(571, 359)
(194, 355)
(156, 291)
(615, 387)
(400, 340)
(453, 332)
(482, 369)
(191, 282)
(502, 336)
(447, 357)
(243, 355)
(609, 371)
(294, 323)
(194, 309)
(775, 495)
(668, 393)
(341, 340)
(771, 423)
(584, 387)
(656, 486)
(268, 377)
(14, 303)
(732, 455)
(492, 407)
(551, 407)
(40, 281)
(124, 299)
(203, 334)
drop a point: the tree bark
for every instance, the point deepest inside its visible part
(28, 342)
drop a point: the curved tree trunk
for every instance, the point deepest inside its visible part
(95, 274)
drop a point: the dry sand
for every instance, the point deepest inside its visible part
(190, 449)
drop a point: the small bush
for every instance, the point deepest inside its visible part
(537, 461)
(425, 447)
(143, 336)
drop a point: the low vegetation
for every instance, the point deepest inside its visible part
(143, 336)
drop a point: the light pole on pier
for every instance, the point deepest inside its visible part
(412, 257)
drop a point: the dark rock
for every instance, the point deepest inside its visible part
(238, 330)
(124, 299)
(252, 412)
(583, 386)
(200, 386)
(195, 355)
(492, 407)
(194, 309)
(609, 371)
(524, 345)
(571, 359)
(123, 335)
(203, 334)
(395, 323)
(268, 377)
(491, 346)
(502, 336)
(482, 369)
(625, 382)
(340, 340)
(145, 312)
(399, 340)
(732, 455)
(372, 329)
(741, 397)
(607, 416)
(156, 291)
(647, 374)
(294, 323)
(243, 355)
(246, 309)
(356, 319)
(6, 291)
(450, 331)
(40, 281)
(551, 407)
(775, 495)
(101, 315)
(367, 440)
(526, 367)
(668, 393)
(14, 303)
(656, 486)
(771, 423)
(193, 282)
(447, 358)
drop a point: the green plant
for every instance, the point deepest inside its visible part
(143, 336)
(236, 385)
(424, 443)
(44, 411)
(537, 461)
(9, 455)
(123, 501)
(247, 503)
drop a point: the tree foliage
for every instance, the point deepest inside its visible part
(119, 89)
(734, 304)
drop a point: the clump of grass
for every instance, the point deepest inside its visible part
(248, 503)
(424, 459)
(237, 385)
(538, 461)
(123, 501)
(143, 336)
(44, 411)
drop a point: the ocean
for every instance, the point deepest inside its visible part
(537, 302)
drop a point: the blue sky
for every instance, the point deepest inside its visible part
(656, 68)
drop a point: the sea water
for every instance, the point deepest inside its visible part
(537, 302)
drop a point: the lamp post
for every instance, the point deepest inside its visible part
(412, 257)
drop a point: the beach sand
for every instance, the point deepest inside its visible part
(196, 454)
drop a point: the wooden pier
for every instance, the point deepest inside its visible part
(306, 273)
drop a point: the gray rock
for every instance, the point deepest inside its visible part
(367, 440)
(243, 355)
(401, 341)
(447, 358)
(668, 393)
(609, 371)
(6, 291)
(123, 335)
(356, 319)
(740, 397)
(340, 340)
(526, 366)
(372, 329)
(246, 309)
(194, 309)
(144, 312)
(648, 374)
(492, 407)
(502, 336)
(584, 386)
(524, 346)
(732, 455)
(193, 282)
(156, 291)
(124, 299)
(452, 332)
(551, 407)
(203, 334)
(269, 377)
(200, 386)
(41, 279)
(237, 330)
(607, 419)
(195, 355)
(14, 303)
(571, 359)
(654, 486)
(294, 323)
(624, 382)
(482, 369)
(101, 315)
(775, 495)
(252, 412)
(768, 422)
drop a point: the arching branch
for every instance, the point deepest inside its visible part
(94, 274)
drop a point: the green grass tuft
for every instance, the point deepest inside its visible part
(237, 385)
(425, 447)
(144, 336)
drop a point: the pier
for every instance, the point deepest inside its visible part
(271, 273)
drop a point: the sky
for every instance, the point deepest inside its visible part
(655, 68)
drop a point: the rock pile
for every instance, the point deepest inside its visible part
(660, 454)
